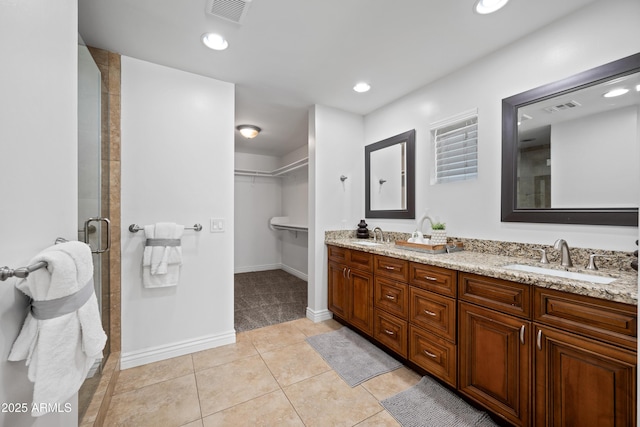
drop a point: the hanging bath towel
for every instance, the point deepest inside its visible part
(62, 335)
(162, 256)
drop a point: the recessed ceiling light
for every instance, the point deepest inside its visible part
(484, 7)
(616, 92)
(638, 88)
(362, 87)
(214, 41)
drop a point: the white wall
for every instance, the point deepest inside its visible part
(177, 166)
(333, 204)
(472, 208)
(38, 147)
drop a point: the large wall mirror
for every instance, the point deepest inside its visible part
(571, 149)
(390, 177)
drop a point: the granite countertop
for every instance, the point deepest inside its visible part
(624, 289)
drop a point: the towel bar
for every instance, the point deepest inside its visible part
(134, 228)
(23, 272)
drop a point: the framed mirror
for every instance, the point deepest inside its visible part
(390, 177)
(570, 149)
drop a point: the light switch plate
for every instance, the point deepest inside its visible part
(216, 225)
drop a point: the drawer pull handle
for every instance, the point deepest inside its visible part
(431, 355)
(390, 297)
(388, 267)
(433, 279)
(430, 313)
(344, 272)
(539, 340)
(388, 332)
(522, 334)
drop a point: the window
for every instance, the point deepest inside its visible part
(455, 141)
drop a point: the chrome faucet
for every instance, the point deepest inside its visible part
(565, 256)
(381, 234)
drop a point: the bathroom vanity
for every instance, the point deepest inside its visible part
(532, 348)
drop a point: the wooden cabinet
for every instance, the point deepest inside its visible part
(532, 356)
(494, 361)
(350, 282)
(494, 345)
(432, 321)
(584, 374)
(582, 382)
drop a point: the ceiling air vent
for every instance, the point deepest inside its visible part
(231, 10)
(562, 107)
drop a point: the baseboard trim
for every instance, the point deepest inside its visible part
(319, 316)
(266, 267)
(252, 268)
(294, 272)
(156, 354)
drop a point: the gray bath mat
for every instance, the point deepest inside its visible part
(354, 358)
(430, 404)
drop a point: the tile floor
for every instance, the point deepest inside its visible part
(269, 377)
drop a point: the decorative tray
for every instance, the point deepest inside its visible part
(430, 249)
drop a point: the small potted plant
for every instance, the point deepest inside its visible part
(438, 233)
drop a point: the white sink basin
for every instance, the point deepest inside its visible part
(365, 243)
(561, 273)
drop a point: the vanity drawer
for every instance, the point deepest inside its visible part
(433, 312)
(391, 296)
(434, 279)
(613, 322)
(336, 253)
(390, 331)
(392, 268)
(502, 295)
(434, 354)
(361, 260)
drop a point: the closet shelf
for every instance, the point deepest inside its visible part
(282, 223)
(277, 172)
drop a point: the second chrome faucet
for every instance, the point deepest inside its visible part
(565, 256)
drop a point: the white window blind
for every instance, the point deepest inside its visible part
(456, 149)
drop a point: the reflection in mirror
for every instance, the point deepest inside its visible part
(574, 150)
(571, 149)
(389, 177)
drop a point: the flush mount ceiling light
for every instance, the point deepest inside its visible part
(484, 7)
(249, 131)
(362, 87)
(214, 41)
(615, 92)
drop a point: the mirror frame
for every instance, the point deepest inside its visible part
(593, 216)
(410, 212)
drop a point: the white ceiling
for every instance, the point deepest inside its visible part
(288, 55)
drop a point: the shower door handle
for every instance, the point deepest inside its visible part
(86, 234)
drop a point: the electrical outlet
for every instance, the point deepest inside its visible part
(216, 225)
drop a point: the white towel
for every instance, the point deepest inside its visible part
(59, 351)
(161, 264)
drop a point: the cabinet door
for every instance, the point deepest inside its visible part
(581, 382)
(495, 361)
(361, 297)
(338, 289)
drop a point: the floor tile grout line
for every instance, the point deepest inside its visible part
(197, 389)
